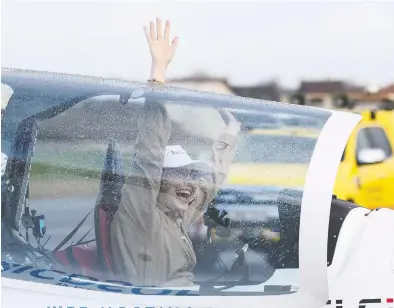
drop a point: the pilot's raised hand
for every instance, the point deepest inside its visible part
(223, 149)
(232, 125)
(161, 49)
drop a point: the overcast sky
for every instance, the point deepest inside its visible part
(246, 42)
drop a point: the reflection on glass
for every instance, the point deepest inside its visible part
(150, 181)
(270, 148)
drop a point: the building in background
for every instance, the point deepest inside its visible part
(331, 94)
(266, 91)
(328, 94)
(203, 83)
(384, 97)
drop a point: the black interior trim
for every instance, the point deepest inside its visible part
(289, 208)
(339, 210)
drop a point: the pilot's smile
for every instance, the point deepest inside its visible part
(185, 192)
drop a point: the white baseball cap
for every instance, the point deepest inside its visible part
(175, 156)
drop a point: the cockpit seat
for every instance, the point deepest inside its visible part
(112, 181)
(95, 256)
(81, 259)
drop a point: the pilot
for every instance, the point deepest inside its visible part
(166, 191)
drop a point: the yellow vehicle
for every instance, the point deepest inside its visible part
(366, 172)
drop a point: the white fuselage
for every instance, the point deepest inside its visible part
(361, 273)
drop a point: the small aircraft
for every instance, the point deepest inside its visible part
(66, 153)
